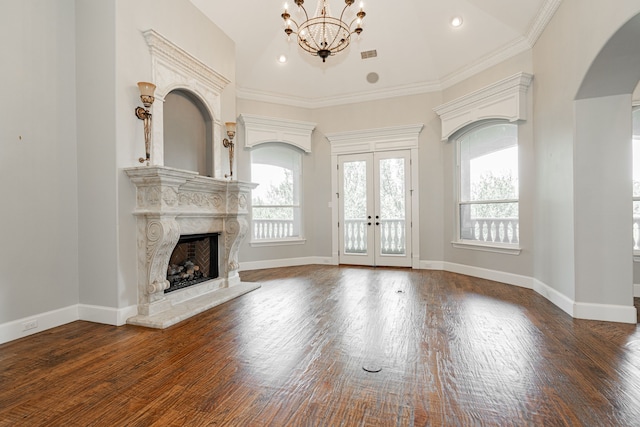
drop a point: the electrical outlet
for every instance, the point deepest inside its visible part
(31, 324)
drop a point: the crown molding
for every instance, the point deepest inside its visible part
(543, 17)
(509, 50)
(351, 98)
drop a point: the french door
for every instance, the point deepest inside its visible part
(375, 208)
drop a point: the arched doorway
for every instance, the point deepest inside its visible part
(602, 171)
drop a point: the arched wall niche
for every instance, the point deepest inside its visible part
(188, 132)
(172, 68)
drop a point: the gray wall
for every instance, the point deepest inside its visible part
(561, 58)
(38, 159)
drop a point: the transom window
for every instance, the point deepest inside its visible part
(488, 184)
(275, 211)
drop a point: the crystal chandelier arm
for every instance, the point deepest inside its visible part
(306, 15)
(288, 23)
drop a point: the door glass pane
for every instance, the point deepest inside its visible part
(392, 207)
(355, 207)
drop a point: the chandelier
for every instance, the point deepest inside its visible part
(323, 35)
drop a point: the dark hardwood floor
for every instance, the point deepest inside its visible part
(453, 351)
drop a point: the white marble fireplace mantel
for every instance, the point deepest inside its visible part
(170, 203)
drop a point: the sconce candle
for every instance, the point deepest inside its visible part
(146, 95)
(228, 143)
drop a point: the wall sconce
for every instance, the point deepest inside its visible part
(228, 143)
(146, 95)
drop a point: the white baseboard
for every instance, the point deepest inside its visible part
(431, 265)
(15, 329)
(559, 299)
(578, 310)
(483, 273)
(605, 312)
(111, 316)
(106, 315)
(286, 262)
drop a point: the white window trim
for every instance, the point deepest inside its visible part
(636, 253)
(459, 242)
(278, 242)
(295, 240)
(504, 248)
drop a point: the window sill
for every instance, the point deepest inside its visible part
(278, 242)
(487, 247)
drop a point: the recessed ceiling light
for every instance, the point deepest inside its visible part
(456, 21)
(282, 59)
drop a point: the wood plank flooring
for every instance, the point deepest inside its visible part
(453, 351)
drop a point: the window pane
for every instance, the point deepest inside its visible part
(276, 185)
(490, 222)
(392, 209)
(489, 163)
(355, 207)
(277, 170)
(488, 173)
(273, 213)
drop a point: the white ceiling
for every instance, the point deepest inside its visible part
(418, 50)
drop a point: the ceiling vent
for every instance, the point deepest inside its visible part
(369, 54)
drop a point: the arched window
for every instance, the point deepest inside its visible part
(488, 184)
(276, 208)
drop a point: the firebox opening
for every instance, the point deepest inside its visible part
(194, 260)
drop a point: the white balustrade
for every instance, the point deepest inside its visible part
(392, 236)
(272, 229)
(495, 230)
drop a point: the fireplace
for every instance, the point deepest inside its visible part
(171, 202)
(194, 260)
(182, 211)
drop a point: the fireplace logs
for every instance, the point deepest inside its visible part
(194, 260)
(185, 271)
